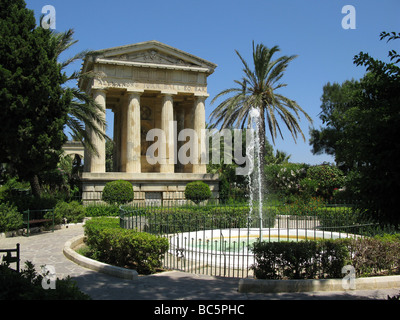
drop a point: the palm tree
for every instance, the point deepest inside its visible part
(258, 89)
(85, 114)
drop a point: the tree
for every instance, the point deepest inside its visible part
(335, 103)
(366, 139)
(377, 128)
(258, 89)
(34, 105)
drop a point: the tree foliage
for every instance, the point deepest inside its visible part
(362, 128)
(33, 104)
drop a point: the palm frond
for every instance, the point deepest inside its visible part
(257, 90)
(85, 116)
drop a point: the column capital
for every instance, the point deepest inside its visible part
(169, 93)
(99, 90)
(134, 92)
(201, 96)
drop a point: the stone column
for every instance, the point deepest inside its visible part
(98, 162)
(199, 124)
(180, 125)
(168, 152)
(117, 139)
(122, 138)
(133, 134)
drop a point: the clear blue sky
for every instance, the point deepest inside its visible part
(212, 30)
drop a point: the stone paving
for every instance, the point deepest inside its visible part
(47, 249)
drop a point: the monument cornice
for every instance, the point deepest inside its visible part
(152, 65)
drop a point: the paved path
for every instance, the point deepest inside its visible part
(47, 249)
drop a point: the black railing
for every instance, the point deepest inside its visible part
(215, 238)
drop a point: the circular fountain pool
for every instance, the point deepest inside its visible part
(231, 247)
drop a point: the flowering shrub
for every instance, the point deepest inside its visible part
(286, 178)
(327, 179)
(293, 179)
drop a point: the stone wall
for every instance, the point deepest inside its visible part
(149, 188)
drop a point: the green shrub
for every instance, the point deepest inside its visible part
(73, 212)
(27, 285)
(102, 210)
(328, 178)
(10, 218)
(197, 191)
(124, 248)
(370, 256)
(191, 217)
(308, 188)
(118, 192)
(299, 260)
(301, 207)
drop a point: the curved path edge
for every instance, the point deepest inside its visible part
(94, 265)
(310, 285)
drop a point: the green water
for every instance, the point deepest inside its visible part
(234, 244)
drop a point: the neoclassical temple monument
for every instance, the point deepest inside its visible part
(147, 85)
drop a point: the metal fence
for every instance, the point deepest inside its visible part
(217, 239)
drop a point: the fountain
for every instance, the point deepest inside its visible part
(226, 249)
(255, 180)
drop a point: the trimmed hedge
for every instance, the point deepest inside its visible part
(375, 256)
(102, 210)
(197, 191)
(124, 248)
(118, 192)
(299, 260)
(190, 218)
(326, 258)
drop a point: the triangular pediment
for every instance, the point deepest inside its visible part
(153, 52)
